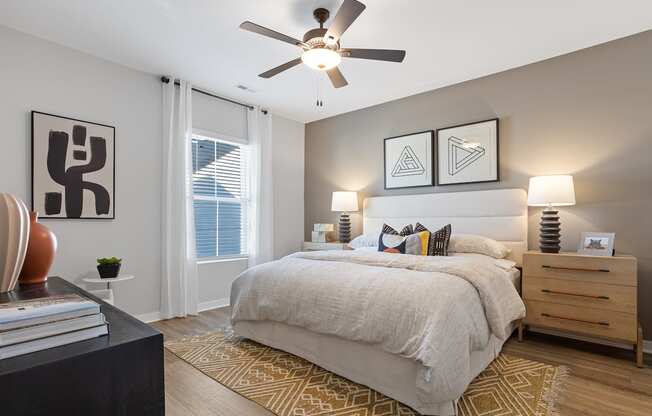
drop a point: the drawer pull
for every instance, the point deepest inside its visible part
(575, 269)
(554, 292)
(602, 323)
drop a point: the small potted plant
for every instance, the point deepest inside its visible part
(109, 267)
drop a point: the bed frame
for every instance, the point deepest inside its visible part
(498, 214)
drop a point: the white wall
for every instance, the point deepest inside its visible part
(39, 75)
(215, 281)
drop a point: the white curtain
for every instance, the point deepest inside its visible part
(261, 202)
(179, 285)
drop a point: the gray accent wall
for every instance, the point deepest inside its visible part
(588, 113)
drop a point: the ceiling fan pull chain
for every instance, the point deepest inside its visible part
(318, 89)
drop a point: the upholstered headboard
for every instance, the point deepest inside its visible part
(500, 214)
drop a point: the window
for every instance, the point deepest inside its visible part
(220, 197)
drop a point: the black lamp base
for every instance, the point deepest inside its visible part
(549, 231)
(345, 228)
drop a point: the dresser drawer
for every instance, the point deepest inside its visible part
(581, 320)
(609, 270)
(583, 294)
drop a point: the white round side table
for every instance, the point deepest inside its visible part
(107, 294)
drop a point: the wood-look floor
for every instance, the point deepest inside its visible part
(604, 381)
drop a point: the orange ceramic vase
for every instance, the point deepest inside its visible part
(41, 247)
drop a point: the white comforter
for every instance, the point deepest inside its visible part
(435, 310)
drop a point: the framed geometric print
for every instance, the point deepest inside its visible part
(409, 160)
(73, 168)
(468, 153)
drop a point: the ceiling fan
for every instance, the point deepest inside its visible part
(321, 46)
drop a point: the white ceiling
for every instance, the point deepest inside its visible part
(446, 41)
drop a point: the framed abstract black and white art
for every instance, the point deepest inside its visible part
(73, 168)
(468, 153)
(409, 160)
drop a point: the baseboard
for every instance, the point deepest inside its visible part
(647, 344)
(150, 317)
(213, 304)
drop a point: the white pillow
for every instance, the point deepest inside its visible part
(365, 240)
(468, 243)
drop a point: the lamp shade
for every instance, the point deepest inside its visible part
(345, 201)
(555, 190)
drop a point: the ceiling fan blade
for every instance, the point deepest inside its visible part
(337, 78)
(392, 55)
(252, 27)
(280, 68)
(346, 15)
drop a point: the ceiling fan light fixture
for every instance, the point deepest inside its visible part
(321, 46)
(321, 59)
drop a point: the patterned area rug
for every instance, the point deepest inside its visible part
(291, 386)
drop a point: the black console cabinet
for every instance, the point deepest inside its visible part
(118, 374)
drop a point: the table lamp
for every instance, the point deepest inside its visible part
(344, 202)
(550, 191)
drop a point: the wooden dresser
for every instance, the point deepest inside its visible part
(585, 295)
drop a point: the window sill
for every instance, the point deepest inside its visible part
(221, 259)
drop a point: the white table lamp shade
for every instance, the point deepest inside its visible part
(555, 190)
(344, 201)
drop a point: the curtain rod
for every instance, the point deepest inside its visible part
(166, 80)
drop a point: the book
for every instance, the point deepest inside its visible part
(324, 227)
(51, 342)
(16, 336)
(323, 236)
(24, 313)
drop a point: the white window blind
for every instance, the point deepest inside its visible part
(220, 197)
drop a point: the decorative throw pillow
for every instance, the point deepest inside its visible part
(416, 244)
(407, 230)
(438, 241)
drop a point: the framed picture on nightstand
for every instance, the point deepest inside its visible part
(597, 244)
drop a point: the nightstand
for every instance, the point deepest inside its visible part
(585, 295)
(310, 246)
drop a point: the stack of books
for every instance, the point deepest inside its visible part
(38, 324)
(323, 233)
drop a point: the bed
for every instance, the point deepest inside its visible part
(416, 329)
